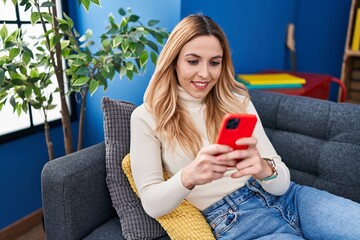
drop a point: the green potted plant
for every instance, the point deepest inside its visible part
(26, 71)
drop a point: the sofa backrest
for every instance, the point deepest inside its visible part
(318, 140)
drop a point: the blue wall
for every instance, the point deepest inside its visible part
(321, 35)
(256, 30)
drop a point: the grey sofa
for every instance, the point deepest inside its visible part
(318, 140)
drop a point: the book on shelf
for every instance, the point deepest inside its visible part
(271, 80)
(355, 43)
(270, 86)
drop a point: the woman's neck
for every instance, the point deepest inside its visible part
(188, 100)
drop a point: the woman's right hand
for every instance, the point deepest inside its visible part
(207, 166)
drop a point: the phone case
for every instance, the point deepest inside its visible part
(235, 126)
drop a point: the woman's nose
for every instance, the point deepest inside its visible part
(203, 71)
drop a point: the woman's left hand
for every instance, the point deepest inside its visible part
(250, 162)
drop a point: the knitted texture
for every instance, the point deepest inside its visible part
(135, 223)
(184, 222)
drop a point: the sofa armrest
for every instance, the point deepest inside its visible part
(75, 197)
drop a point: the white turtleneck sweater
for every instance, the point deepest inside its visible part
(149, 153)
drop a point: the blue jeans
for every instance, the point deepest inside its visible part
(301, 213)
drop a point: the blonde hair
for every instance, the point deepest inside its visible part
(161, 96)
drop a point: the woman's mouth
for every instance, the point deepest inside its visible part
(200, 85)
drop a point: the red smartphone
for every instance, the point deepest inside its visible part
(235, 126)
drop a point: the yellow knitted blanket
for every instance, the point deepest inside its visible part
(184, 222)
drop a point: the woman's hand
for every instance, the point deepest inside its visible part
(249, 160)
(209, 165)
(213, 161)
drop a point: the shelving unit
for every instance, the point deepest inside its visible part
(350, 71)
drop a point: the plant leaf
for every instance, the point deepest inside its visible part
(125, 45)
(122, 12)
(12, 101)
(47, 4)
(47, 17)
(129, 74)
(34, 17)
(143, 58)
(18, 109)
(82, 71)
(153, 46)
(117, 41)
(153, 23)
(55, 40)
(26, 58)
(93, 85)
(65, 44)
(27, 6)
(50, 107)
(153, 58)
(86, 4)
(111, 72)
(70, 21)
(13, 53)
(77, 62)
(129, 66)
(28, 92)
(133, 18)
(25, 107)
(3, 32)
(35, 105)
(27, 50)
(97, 2)
(2, 76)
(122, 71)
(81, 81)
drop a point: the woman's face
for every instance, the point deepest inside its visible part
(199, 65)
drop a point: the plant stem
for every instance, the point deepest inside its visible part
(66, 122)
(47, 137)
(82, 117)
(57, 64)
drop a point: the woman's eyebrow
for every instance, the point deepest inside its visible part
(192, 55)
(198, 56)
(218, 56)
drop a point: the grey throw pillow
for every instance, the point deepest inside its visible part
(135, 223)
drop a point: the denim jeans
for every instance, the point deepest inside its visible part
(301, 213)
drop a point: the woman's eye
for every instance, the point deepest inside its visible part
(193, 62)
(214, 63)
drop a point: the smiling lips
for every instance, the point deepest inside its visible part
(200, 85)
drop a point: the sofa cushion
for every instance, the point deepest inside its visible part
(117, 144)
(184, 222)
(318, 140)
(111, 230)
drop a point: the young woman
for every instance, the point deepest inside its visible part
(243, 194)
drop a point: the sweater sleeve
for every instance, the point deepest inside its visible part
(279, 185)
(147, 170)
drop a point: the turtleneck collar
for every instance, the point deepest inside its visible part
(189, 100)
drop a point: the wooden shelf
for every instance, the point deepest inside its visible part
(351, 60)
(351, 53)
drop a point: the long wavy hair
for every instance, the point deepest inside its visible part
(172, 119)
